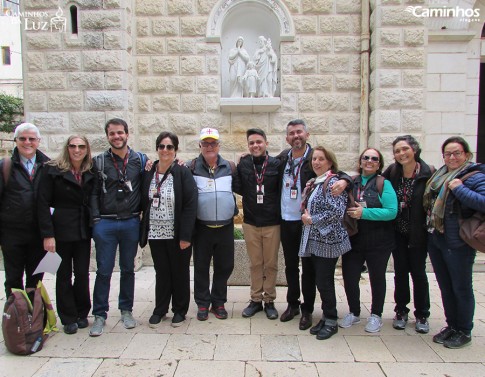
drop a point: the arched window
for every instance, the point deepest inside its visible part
(73, 10)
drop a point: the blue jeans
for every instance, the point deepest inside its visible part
(453, 269)
(108, 235)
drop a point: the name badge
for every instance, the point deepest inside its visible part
(156, 202)
(260, 191)
(363, 204)
(210, 184)
(294, 193)
(259, 197)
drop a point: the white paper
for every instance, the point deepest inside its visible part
(50, 263)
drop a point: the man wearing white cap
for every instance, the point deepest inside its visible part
(214, 230)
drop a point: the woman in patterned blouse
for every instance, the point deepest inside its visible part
(324, 238)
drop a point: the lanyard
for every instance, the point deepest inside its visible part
(77, 176)
(291, 163)
(121, 173)
(165, 176)
(404, 190)
(260, 177)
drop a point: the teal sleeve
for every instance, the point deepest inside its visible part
(389, 206)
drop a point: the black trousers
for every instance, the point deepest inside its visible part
(216, 244)
(410, 260)
(21, 256)
(376, 261)
(73, 299)
(172, 276)
(290, 240)
(325, 280)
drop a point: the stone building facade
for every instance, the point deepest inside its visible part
(358, 72)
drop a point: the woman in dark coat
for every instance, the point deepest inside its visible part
(63, 213)
(408, 176)
(169, 202)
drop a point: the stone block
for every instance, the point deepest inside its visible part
(114, 4)
(64, 61)
(180, 84)
(413, 121)
(142, 65)
(183, 46)
(333, 102)
(335, 24)
(316, 45)
(221, 122)
(205, 6)
(305, 24)
(93, 40)
(304, 64)
(386, 121)
(348, 162)
(167, 102)
(86, 123)
(116, 40)
(99, 19)
(180, 7)
(346, 44)
(107, 61)
(65, 101)
(86, 80)
(396, 16)
(193, 26)
(289, 102)
(149, 7)
(400, 98)
(42, 41)
(211, 101)
(316, 6)
(152, 84)
(414, 77)
(355, 102)
(190, 65)
(204, 48)
(345, 123)
(389, 37)
(306, 102)
(116, 80)
(54, 81)
(152, 123)
(212, 64)
(241, 122)
(337, 143)
(143, 103)
(37, 101)
(355, 63)
(278, 122)
(142, 27)
(414, 37)
(388, 78)
(234, 143)
(165, 26)
(317, 83)
(184, 124)
(165, 65)
(334, 63)
(402, 58)
(106, 100)
(192, 102)
(150, 46)
(51, 122)
(285, 65)
(348, 6)
(87, 4)
(355, 24)
(41, 4)
(208, 84)
(317, 123)
(291, 83)
(291, 48)
(35, 61)
(347, 82)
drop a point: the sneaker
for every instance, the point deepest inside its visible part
(458, 340)
(70, 329)
(349, 320)
(374, 323)
(219, 311)
(98, 326)
(154, 320)
(127, 318)
(327, 331)
(202, 313)
(270, 310)
(252, 309)
(445, 333)
(400, 320)
(422, 325)
(82, 323)
(178, 320)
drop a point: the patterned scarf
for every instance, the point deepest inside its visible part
(436, 194)
(311, 186)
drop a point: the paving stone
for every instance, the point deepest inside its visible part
(217, 326)
(106, 345)
(433, 369)
(145, 346)
(281, 369)
(368, 348)
(280, 348)
(236, 347)
(69, 367)
(197, 347)
(334, 349)
(349, 369)
(210, 368)
(470, 354)
(19, 366)
(410, 349)
(135, 367)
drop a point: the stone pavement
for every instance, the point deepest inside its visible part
(256, 347)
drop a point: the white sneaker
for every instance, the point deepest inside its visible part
(349, 320)
(127, 318)
(374, 323)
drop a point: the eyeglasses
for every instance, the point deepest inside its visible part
(456, 154)
(31, 139)
(371, 158)
(76, 146)
(169, 147)
(206, 144)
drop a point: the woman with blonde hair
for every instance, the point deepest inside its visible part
(63, 213)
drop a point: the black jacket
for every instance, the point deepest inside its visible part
(255, 214)
(417, 215)
(70, 220)
(185, 191)
(114, 205)
(18, 200)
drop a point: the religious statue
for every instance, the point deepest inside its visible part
(238, 58)
(251, 80)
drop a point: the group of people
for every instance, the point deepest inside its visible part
(300, 198)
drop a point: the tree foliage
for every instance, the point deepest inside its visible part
(11, 112)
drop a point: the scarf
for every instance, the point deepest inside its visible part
(436, 194)
(311, 186)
